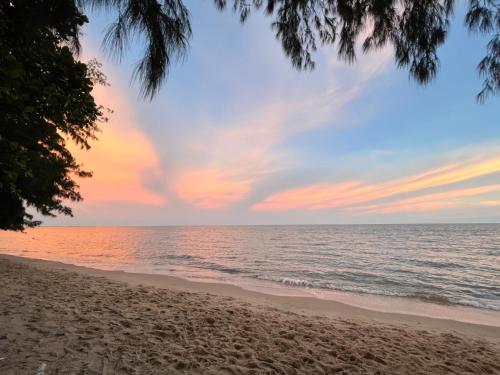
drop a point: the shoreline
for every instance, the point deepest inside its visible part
(406, 305)
(304, 305)
(75, 320)
(408, 278)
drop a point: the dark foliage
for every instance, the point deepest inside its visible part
(415, 29)
(165, 25)
(45, 99)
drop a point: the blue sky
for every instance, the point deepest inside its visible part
(237, 136)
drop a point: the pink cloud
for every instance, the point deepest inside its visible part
(239, 155)
(325, 196)
(120, 158)
(311, 197)
(211, 188)
(490, 203)
(427, 202)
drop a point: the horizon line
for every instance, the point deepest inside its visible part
(261, 225)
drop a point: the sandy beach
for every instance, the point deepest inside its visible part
(75, 320)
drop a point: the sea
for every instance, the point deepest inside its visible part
(438, 264)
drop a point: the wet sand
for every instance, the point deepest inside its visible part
(80, 320)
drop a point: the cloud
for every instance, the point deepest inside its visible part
(211, 188)
(120, 159)
(221, 161)
(228, 159)
(344, 194)
(490, 203)
(427, 202)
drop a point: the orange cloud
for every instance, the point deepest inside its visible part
(311, 197)
(210, 188)
(325, 196)
(241, 152)
(428, 202)
(491, 203)
(120, 158)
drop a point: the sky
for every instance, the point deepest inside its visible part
(237, 136)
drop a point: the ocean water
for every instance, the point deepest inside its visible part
(443, 264)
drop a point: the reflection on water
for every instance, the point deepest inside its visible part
(453, 264)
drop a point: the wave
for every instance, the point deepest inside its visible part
(431, 297)
(220, 268)
(480, 305)
(422, 296)
(432, 264)
(294, 282)
(182, 257)
(198, 262)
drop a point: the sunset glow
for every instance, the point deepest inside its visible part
(120, 159)
(351, 193)
(236, 143)
(428, 202)
(210, 189)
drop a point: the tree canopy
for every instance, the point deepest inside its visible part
(415, 30)
(45, 98)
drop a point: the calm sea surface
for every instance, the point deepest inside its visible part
(447, 264)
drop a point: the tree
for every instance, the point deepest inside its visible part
(415, 30)
(45, 99)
